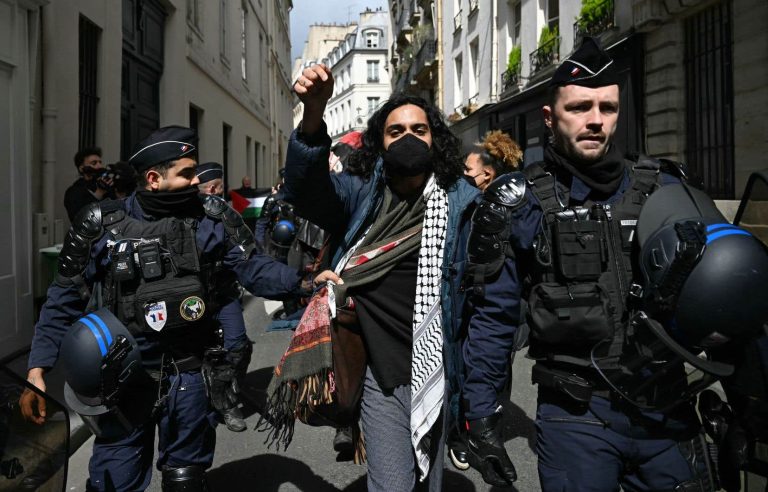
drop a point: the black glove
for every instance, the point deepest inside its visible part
(219, 376)
(486, 451)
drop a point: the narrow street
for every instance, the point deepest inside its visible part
(243, 463)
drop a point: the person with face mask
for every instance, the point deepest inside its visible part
(398, 221)
(92, 186)
(155, 255)
(495, 155)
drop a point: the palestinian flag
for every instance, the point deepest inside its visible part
(248, 207)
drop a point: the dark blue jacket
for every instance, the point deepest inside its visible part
(343, 204)
(259, 274)
(495, 318)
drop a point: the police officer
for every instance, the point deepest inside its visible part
(155, 255)
(559, 235)
(225, 365)
(276, 226)
(211, 177)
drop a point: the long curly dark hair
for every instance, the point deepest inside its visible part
(447, 166)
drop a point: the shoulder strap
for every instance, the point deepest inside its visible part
(544, 186)
(645, 173)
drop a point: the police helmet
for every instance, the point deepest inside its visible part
(283, 233)
(101, 361)
(702, 288)
(707, 276)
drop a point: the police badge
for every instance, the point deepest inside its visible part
(155, 314)
(192, 308)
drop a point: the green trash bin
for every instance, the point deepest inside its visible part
(50, 263)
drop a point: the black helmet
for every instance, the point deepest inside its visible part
(703, 281)
(283, 233)
(706, 276)
(100, 359)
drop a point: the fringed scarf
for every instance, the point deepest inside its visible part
(304, 375)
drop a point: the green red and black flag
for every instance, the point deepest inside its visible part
(248, 207)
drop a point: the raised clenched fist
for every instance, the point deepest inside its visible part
(314, 86)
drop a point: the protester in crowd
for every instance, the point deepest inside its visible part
(91, 186)
(403, 203)
(248, 192)
(497, 154)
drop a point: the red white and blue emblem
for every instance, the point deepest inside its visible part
(155, 314)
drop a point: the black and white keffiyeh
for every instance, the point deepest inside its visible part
(427, 376)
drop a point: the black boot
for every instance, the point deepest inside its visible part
(342, 441)
(233, 419)
(486, 451)
(457, 449)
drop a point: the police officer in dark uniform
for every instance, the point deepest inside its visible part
(559, 235)
(155, 255)
(276, 227)
(225, 365)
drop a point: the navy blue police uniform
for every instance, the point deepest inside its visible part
(545, 239)
(230, 315)
(225, 366)
(171, 355)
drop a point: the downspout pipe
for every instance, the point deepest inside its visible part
(495, 51)
(49, 114)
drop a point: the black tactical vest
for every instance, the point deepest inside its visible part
(579, 282)
(158, 284)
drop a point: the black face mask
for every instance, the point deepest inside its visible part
(471, 179)
(180, 203)
(408, 156)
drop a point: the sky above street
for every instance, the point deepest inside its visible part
(308, 12)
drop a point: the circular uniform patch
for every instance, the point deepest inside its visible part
(192, 308)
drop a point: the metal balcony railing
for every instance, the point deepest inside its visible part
(457, 21)
(546, 55)
(473, 5)
(593, 26)
(423, 59)
(510, 79)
